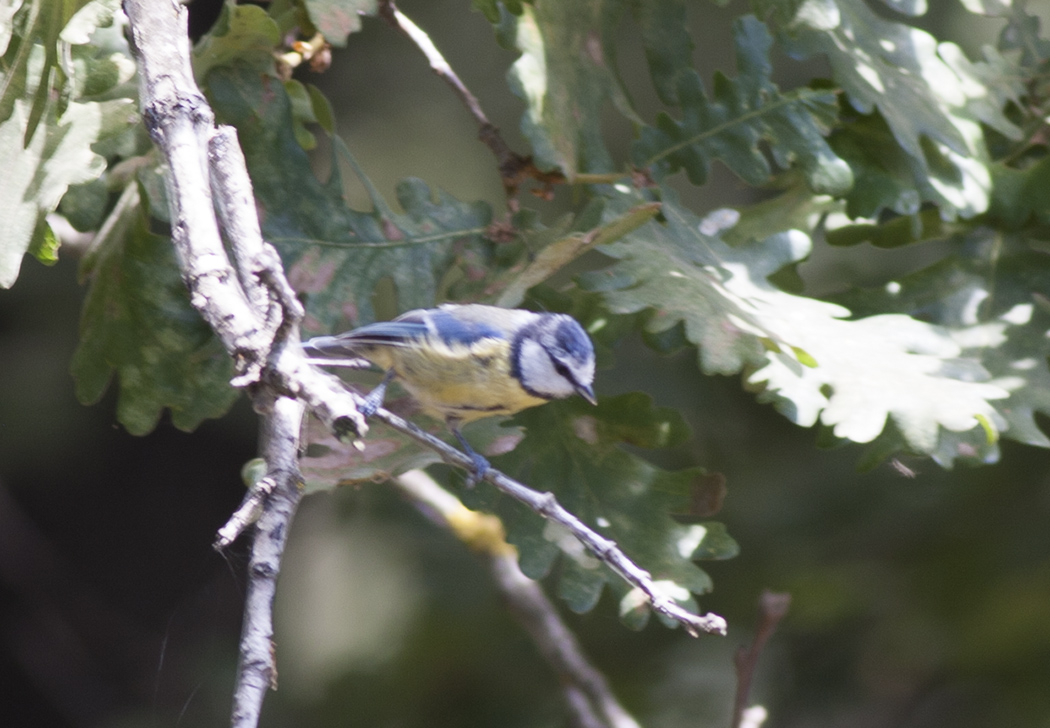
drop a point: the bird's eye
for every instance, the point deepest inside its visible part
(562, 369)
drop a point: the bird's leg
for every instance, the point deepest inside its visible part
(375, 398)
(481, 465)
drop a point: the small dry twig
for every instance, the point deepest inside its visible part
(772, 606)
(514, 169)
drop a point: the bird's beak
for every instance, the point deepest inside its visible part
(587, 393)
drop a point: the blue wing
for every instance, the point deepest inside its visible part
(405, 330)
(453, 329)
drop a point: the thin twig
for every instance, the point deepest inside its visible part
(513, 167)
(586, 690)
(247, 513)
(256, 670)
(547, 506)
(772, 606)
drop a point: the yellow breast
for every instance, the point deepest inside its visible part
(458, 381)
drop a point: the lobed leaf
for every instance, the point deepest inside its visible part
(138, 323)
(668, 45)
(337, 19)
(38, 174)
(334, 254)
(741, 115)
(930, 96)
(244, 35)
(800, 353)
(994, 307)
(47, 135)
(565, 75)
(570, 449)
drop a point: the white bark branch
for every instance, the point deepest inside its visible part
(251, 308)
(257, 669)
(180, 122)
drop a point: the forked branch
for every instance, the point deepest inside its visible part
(253, 311)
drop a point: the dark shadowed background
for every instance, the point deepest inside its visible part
(918, 601)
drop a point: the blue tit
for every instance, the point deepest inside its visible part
(466, 362)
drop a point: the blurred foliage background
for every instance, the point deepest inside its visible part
(917, 601)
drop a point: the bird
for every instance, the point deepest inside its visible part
(465, 362)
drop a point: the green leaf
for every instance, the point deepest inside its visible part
(334, 254)
(137, 322)
(45, 245)
(565, 75)
(887, 177)
(899, 231)
(337, 19)
(491, 8)
(571, 450)
(8, 10)
(302, 113)
(740, 116)
(908, 7)
(866, 371)
(47, 136)
(1019, 196)
(37, 175)
(796, 208)
(322, 108)
(1021, 33)
(668, 45)
(36, 65)
(930, 96)
(993, 305)
(244, 35)
(89, 18)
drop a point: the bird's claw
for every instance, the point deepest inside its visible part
(371, 403)
(478, 471)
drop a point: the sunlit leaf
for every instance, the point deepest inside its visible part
(993, 306)
(47, 136)
(931, 97)
(866, 371)
(36, 176)
(566, 74)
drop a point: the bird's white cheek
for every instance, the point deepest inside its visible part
(538, 373)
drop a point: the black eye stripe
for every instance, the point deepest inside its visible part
(561, 369)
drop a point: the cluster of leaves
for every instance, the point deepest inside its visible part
(907, 141)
